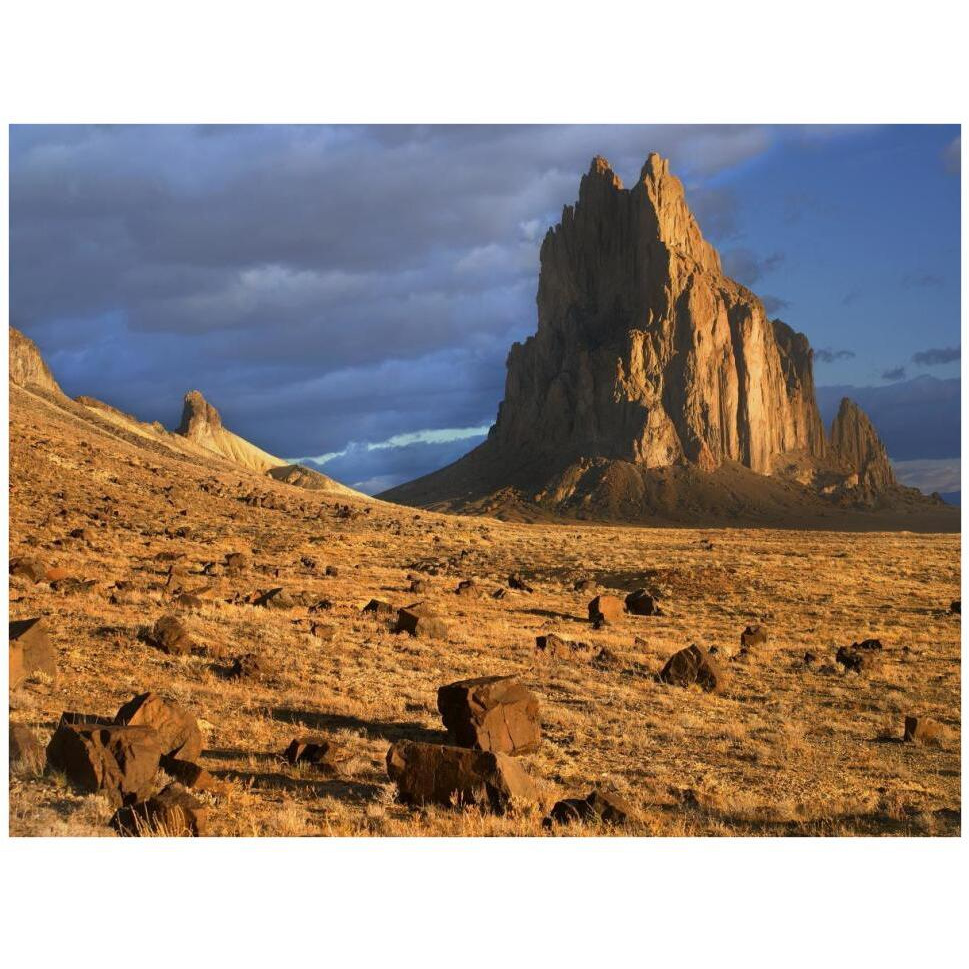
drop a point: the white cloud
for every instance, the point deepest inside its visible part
(443, 435)
(942, 474)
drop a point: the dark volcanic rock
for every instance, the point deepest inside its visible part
(493, 713)
(321, 752)
(420, 620)
(433, 774)
(170, 636)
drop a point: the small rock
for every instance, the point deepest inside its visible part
(170, 636)
(641, 603)
(322, 630)
(321, 752)
(924, 730)
(250, 666)
(30, 568)
(690, 666)
(193, 776)
(419, 620)
(379, 608)
(605, 610)
(275, 599)
(551, 646)
(956, 606)
(599, 806)
(754, 636)
(516, 581)
(468, 588)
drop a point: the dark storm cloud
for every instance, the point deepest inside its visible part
(895, 373)
(827, 355)
(747, 267)
(936, 356)
(321, 285)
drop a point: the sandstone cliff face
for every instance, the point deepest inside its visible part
(27, 366)
(645, 352)
(856, 444)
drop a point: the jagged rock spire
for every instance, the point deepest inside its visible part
(856, 443)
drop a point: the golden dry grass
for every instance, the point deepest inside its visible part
(786, 749)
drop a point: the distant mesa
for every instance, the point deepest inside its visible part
(656, 387)
(200, 435)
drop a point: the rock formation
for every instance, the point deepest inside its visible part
(202, 424)
(855, 442)
(27, 366)
(655, 384)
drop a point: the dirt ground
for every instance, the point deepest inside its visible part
(788, 748)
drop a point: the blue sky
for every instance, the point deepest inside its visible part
(352, 292)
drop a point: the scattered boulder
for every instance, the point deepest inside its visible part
(692, 665)
(178, 730)
(418, 585)
(332, 571)
(809, 658)
(188, 600)
(250, 666)
(754, 636)
(605, 610)
(26, 751)
(553, 647)
(641, 603)
(30, 650)
(29, 567)
(496, 713)
(321, 752)
(469, 589)
(237, 562)
(275, 599)
(858, 658)
(457, 776)
(923, 730)
(173, 813)
(379, 608)
(170, 636)
(419, 620)
(956, 607)
(582, 585)
(604, 807)
(120, 760)
(516, 581)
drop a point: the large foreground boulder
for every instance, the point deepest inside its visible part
(30, 651)
(495, 713)
(456, 776)
(172, 813)
(178, 730)
(120, 760)
(692, 665)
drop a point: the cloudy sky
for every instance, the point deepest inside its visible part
(350, 293)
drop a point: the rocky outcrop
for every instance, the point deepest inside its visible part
(856, 444)
(655, 385)
(27, 366)
(202, 423)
